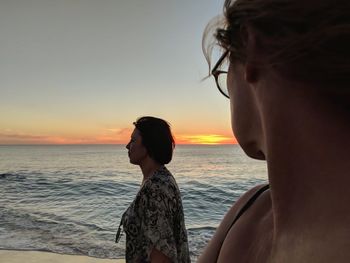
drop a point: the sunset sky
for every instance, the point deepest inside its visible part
(81, 71)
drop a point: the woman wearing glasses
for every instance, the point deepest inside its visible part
(154, 222)
(288, 81)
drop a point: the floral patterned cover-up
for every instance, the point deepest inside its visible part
(155, 219)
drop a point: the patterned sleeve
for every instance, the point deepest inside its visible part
(157, 220)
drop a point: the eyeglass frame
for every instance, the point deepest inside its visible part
(215, 72)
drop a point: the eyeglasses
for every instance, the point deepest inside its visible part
(221, 76)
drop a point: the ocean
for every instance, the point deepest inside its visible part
(69, 198)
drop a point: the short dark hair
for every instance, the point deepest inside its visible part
(157, 138)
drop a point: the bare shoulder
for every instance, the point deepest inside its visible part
(236, 207)
(210, 254)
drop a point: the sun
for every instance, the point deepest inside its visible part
(209, 139)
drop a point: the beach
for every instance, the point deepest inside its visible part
(15, 256)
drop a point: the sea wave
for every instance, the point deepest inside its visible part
(70, 199)
(23, 229)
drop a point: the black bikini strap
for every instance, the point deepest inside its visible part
(242, 210)
(248, 204)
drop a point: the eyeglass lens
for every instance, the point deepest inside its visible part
(222, 82)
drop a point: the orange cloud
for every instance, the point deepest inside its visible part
(114, 136)
(22, 138)
(109, 136)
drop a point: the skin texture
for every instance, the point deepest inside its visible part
(304, 138)
(138, 155)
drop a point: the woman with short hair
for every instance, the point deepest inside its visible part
(154, 222)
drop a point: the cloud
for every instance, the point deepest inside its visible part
(119, 131)
(23, 138)
(114, 136)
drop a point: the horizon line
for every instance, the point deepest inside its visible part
(97, 144)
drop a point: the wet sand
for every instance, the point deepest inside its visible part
(15, 256)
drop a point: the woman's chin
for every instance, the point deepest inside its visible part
(259, 155)
(252, 150)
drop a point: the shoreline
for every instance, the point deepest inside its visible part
(29, 256)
